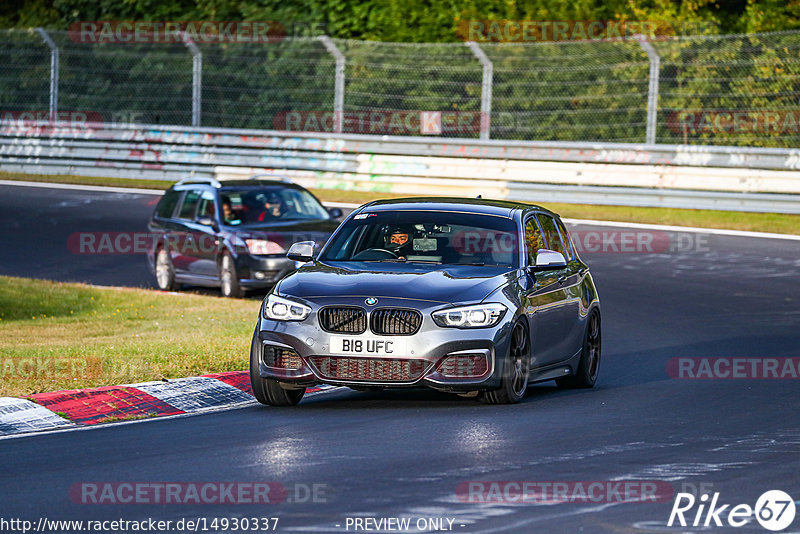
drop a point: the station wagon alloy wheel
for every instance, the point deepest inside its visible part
(229, 281)
(165, 274)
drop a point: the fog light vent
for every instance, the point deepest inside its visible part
(464, 366)
(281, 358)
(264, 275)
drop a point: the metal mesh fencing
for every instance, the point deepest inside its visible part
(707, 90)
(570, 91)
(255, 85)
(149, 83)
(24, 72)
(741, 90)
(389, 85)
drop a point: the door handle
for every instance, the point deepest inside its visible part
(562, 279)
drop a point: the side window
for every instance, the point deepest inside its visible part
(189, 206)
(568, 239)
(551, 236)
(206, 207)
(166, 206)
(533, 240)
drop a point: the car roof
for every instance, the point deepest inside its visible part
(484, 206)
(239, 183)
(257, 182)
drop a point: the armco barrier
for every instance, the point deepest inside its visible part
(745, 179)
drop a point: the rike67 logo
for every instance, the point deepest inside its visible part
(774, 510)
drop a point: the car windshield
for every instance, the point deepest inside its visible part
(252, 206)
(434, 237)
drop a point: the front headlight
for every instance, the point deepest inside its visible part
(263, 246)
(475, 316)
(281, 309)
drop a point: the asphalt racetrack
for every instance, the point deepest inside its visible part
(411, 454)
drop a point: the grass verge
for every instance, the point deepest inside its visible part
(730, 220)
(65, 336)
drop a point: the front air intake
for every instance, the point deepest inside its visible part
(464, 366)
(368, 369)
(395, 321)
(343, 320)
(281, 358)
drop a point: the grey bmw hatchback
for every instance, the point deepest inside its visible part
(475, 297)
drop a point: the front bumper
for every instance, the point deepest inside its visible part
(425, 351)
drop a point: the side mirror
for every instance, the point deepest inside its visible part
(548, 259)
(302, 251)
(206, 221)
(335, 213)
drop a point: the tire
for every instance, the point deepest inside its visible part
(165, 272)
(228, 277)
(266, 390)
(514, 383)
(589, 365)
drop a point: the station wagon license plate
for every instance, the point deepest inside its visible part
(368, 346)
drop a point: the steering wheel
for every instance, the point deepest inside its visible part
(375, 254)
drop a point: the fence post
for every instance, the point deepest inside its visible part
(338, 88)
(54, 61)
(197, 78)
(652, 91)
(486, 88)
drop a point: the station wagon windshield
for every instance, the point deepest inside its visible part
(253, 206)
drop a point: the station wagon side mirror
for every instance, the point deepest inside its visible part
(207, 221)
(335, 213)
(302, 251)
(548, 259)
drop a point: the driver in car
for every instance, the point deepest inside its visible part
(273, 208)
(228, 215)
(399, 241)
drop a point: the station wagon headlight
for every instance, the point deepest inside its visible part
(262, 246)
(281, 309)
(475, 316)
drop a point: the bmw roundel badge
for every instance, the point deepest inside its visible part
(371, 301)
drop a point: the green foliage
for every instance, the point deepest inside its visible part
(544, 91)
(409, 20)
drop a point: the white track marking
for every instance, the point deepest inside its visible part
(62, 425)
(77, 187)
(715, 231)
(128, 190)
(22, 415)
(194, 393)
(348, 205)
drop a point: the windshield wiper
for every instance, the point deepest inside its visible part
(482, 264)
(401, 260)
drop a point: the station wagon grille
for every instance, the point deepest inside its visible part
(368, 369)
(345, 320)
(395, 321)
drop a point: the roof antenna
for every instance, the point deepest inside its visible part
(479, 196)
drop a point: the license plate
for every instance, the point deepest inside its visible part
(368, 346)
